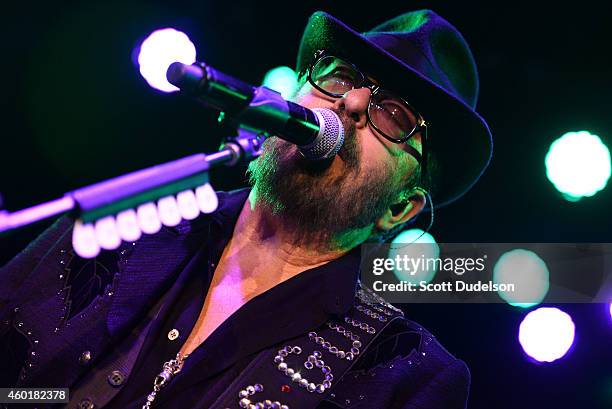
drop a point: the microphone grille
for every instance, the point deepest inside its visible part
(330, 138)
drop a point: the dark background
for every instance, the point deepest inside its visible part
(75, 111)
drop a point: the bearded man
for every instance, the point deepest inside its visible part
(259, 304)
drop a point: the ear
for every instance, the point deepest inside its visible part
(401, 212)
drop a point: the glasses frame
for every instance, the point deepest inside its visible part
(363, 82)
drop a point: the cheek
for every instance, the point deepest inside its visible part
(372, 154)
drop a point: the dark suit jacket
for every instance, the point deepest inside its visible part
(50, 317)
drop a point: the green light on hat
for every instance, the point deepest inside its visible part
(529, 274)
(281, 79)
(414, 244)
(578, 165)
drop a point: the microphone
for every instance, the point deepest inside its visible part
(318, 132)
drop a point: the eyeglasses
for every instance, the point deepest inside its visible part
(394, 118)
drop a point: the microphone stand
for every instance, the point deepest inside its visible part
(124, 207)
(112, 196)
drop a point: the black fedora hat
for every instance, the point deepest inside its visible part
(422, 57)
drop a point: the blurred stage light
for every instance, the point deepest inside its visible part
(160, 49)
(281, 79)
(546, 334)
(410, 235)
(529, 274)
(578, 165)
(611, 310)
(414, 244)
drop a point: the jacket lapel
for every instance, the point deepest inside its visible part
(156, 260)
(154, 263)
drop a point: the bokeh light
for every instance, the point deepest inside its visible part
(281, 79)
(546, 334)
(160, 49)
(529, 274)
(415, 243)
(578, 165)
(611, 310)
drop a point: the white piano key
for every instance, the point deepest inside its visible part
(148, 219)
(107, 233)
(168, 211)
(188, 205)
(84, 240)
(127, 224)
(207, 198)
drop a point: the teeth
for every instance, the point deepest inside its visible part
(188, 205)
(207, 198)
(107, 233)
(148, 219)
(168, 211)
(84, 240)
(127, 224)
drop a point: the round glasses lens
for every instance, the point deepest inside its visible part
(335, 76)
(391, 115)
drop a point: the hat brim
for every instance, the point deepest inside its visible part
(458, 136)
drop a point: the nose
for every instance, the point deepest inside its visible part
(355, 103)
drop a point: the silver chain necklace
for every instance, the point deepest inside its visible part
(170, 369)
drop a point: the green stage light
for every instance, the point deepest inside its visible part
(529, 274)
(414, 236)
(578, 165)
(414, 244)
(281, 79)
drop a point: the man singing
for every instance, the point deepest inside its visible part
(259, 304)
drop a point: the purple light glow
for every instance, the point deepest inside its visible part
(546, 334)
(160, 49)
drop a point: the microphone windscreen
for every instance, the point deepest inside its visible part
(330, 138)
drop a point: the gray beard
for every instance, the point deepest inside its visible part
(319, 207)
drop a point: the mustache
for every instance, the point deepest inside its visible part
(349, 152)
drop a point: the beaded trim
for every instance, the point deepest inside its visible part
(315, 359)
(380, 315)
(370, 298)
(361, 325)
(349, 356)
(251, 390)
